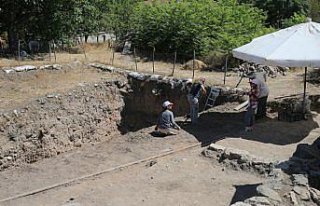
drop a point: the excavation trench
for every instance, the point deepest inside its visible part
(89, 113)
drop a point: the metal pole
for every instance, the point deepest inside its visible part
(304, 90)
(194, 59)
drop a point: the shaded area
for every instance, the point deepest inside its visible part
(305, 160)
(216, 125)
(244, 192)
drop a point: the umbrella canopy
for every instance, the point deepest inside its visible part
(296, 46)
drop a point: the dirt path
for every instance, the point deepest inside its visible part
(185, 178)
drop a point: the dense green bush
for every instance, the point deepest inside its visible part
(203, 25)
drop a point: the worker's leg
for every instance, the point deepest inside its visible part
(262, 107)
(167, 131)
(248, 118)
(194, 110)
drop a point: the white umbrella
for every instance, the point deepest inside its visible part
(296, 46)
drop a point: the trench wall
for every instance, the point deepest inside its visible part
(57, 123)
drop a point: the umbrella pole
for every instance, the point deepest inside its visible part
(304, 90)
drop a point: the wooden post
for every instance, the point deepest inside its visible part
(304, 90)
(112, 46)
(49, 45)
(193, 65)
(84, 52)
(135, 58)
(174, 63)
(242, 74)
(154, 50)
(225, 70)
(19, 51)
(54, 52)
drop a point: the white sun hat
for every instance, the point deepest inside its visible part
(166, 104)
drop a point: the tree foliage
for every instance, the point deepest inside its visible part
(49, 19)
(279, 10)
(295, 19)
(117, 16)
(314, 10)
(203, 25)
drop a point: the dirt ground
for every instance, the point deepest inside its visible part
(183, 178)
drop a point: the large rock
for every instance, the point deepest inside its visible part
(302, 192)
(269, 193)
(315, 195)
(300, 179)
(231, 153)
(293, 198)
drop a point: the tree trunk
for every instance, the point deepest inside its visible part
(12, 40)
(86, 36)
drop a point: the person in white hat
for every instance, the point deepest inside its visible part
(166, 122)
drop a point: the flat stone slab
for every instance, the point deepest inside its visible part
(240, 204)
(258, 201)
(217, 148)
(300, 179)
(269, 193)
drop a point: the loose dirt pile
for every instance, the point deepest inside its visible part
(58, 122)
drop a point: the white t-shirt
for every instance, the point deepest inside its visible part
(263, 87)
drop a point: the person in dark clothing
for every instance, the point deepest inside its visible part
(166, 122)
(253, 104)
(263, 93)
(193, 97)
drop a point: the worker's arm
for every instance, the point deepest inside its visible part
(204, 91)
(173, 122)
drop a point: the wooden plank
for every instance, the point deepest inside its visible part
(240, 106)
(285, 96)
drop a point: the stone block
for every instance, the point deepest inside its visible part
(269, 193)
(231, 153)
(217, 148)
(258, 201)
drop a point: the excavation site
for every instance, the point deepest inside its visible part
(82, 134)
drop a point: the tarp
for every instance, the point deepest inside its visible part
(296, 46)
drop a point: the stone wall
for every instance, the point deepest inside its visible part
(145, 94)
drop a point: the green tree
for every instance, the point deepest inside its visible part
(295, 19)
(203, 25)
(314, 10)
(117, 15)
(279, 10)
(49, 19)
